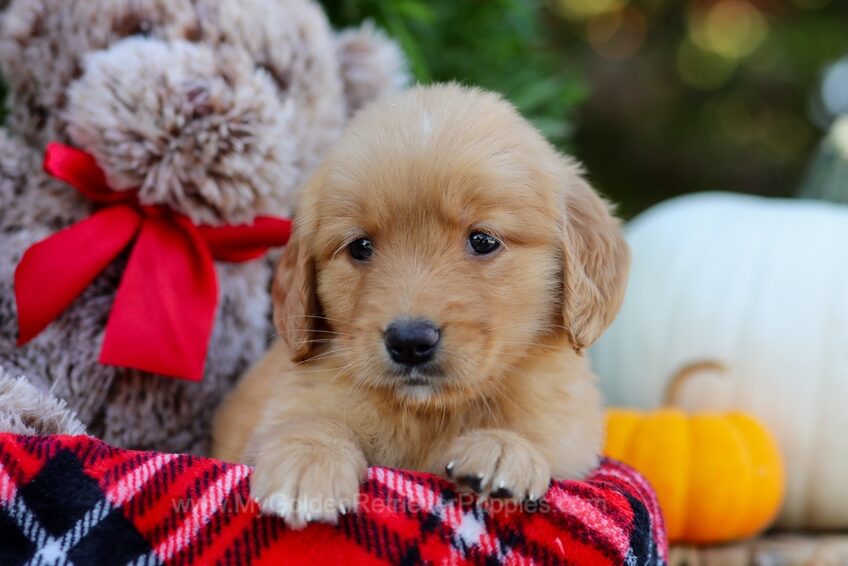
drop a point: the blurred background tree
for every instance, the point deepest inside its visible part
(657, 97)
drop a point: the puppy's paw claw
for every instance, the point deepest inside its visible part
(501, 493)
(498, 464)
(449, 468)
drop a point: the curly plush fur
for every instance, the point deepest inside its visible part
(216, 108)
(26, 410)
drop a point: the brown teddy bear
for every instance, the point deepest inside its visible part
(214, 110)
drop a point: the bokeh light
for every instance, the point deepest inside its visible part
(834, 91)
(732, 116)
(617, 34)
(703, 69)
(585, 9)
(839, 133)
(730, 28)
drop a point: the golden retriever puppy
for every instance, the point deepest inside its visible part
(446, 271)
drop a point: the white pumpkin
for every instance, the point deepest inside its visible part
(761, 287)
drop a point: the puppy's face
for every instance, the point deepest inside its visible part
(439, 244)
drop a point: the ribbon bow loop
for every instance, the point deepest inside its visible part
(162, 316)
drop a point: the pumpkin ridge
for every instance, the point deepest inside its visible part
(717, 466)
(745, 503)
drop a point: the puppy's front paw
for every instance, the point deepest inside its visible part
(308, 480)
(498, 464)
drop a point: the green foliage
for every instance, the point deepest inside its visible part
(500, 45)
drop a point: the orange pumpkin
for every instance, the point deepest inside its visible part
(718, 477)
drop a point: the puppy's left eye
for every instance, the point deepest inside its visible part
(361, 249)
(482, 243)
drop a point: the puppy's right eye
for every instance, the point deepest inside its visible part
(482, 243)
(361, 249)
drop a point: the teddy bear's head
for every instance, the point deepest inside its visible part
(215, 108)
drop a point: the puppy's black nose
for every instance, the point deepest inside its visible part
(412, 342)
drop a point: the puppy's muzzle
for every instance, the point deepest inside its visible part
(412, 342)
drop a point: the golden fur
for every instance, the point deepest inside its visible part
(515, 402)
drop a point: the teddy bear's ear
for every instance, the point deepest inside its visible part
(371, 65)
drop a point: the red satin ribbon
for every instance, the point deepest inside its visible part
(163, 312)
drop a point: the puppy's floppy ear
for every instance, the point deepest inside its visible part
(596, 263)
(296, 311)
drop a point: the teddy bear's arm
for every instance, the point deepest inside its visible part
(26, 410)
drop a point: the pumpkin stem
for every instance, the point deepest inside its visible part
(675, 384)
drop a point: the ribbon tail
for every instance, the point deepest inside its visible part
(164, 310)
(54, 271)
(80, 170)
(246, 242)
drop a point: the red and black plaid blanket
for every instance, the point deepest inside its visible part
(75, 500)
